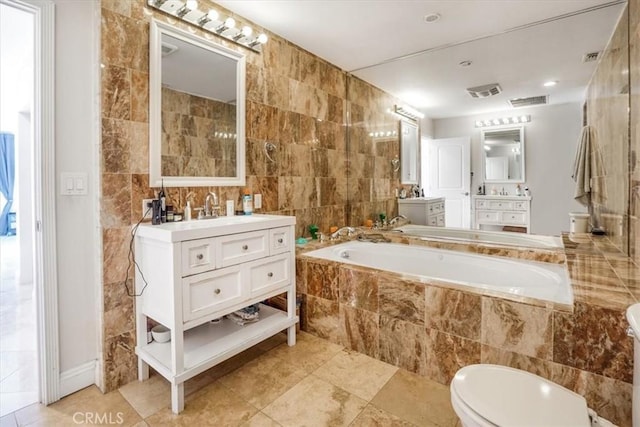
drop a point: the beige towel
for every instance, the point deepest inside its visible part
(587, 166)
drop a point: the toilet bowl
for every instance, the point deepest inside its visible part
(492, 395)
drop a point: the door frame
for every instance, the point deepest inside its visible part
(44, 191)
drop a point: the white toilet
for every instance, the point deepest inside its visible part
(493, 395)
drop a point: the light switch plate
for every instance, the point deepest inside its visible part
(73, 184)
(257, 201)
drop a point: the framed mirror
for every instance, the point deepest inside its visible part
(197, 111)
(409, 152)
(503, 155)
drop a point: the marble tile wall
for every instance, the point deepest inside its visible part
(608, 103)
(294, 100)
(634, 158)
(198, 136)
(433, 329)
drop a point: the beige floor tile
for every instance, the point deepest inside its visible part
(148, 397)
(261, 420)
(215, 405)
(309, 352)
(374, 417)
(416, 399)
(263, 380)
(357, 373)
(141, 424)
(85, 407)
(315, 402)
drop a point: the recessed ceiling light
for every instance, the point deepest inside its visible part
(430, 18)
(465, 63)
(550, 83)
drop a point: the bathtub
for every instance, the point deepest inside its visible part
(482, 236)
(501, 276)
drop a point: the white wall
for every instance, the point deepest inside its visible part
(76, 139)
(24, 185)
(551, 139)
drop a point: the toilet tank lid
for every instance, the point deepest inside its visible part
(633, 317)
(506, 396)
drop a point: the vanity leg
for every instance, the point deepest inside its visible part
(143, 370)
(291, 335)
(177, 398)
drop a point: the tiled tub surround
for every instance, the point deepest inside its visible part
(433, 330)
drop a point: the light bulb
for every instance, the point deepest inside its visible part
(246, 31)
(262, 38)
(524, 119)
(213, 15)
(230, 23)
(192, 4)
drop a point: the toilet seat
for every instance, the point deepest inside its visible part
(504, 396)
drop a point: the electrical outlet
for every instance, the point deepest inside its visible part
(257, 201)
(146, 208)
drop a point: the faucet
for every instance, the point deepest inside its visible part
(210, 210)
(396, 219)
(341, 231)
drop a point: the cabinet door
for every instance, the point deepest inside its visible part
(206, 293)
(269, 274)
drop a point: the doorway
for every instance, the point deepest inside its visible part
(19, 379)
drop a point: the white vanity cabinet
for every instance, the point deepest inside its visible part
(502, 211)
(191, 274)
(423, 210)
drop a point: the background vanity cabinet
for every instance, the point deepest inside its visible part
(502, 211)
(193, 273)
(423, 210)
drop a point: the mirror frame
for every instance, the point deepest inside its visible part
(409, 155)
(484, 156)
(156, 179)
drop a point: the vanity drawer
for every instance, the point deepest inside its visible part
(237, 248)
(481, 204)
(432, 220)
(269, 274)
(440, 220)
(210, 292)
(280, 240)
(499, 205)
(521, 206)
(488, 217)
(198, 256)
(514, 217)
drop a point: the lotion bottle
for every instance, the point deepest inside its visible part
(247, 202)
(187, 211)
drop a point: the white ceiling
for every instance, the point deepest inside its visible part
(361, 35)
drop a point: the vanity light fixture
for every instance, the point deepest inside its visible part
(408, 112)
(211, 21)
(550, 83)
(503, 121)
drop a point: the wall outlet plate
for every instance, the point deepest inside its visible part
(146, 207)
(257, 201)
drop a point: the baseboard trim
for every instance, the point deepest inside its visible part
(77, 378)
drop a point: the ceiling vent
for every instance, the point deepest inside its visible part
(528, 102)
(590, 57)
(484, 91)
(168, 49)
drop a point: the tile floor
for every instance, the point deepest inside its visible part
(314, 383)
(18, 360)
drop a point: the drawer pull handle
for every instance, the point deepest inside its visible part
(245, 247)
(280, 240)
(217, 291)
(200, 256)
(270, 274)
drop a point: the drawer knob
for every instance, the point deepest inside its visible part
(217, 291)
(200, 256)
(245, 247)
(270, 274)
(280, 240)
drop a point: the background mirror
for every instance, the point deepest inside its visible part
(504, 155)
(409, 158)
(197, 111)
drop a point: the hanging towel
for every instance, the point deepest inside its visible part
(587, 166)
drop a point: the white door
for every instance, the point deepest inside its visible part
(448, 173)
